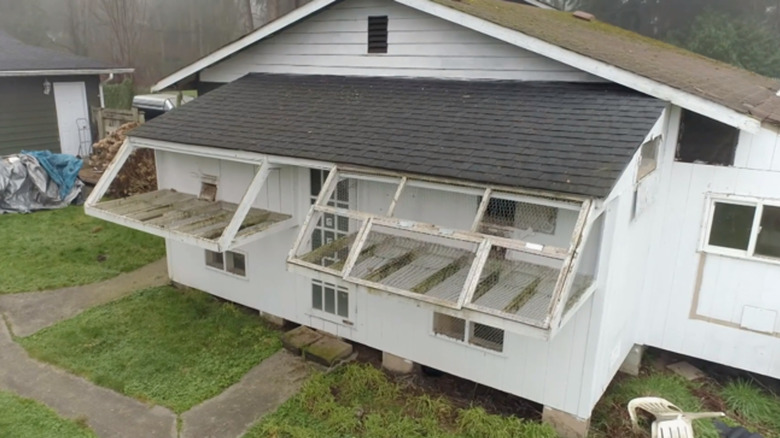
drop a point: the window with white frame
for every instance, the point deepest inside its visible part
(478, 334)
(648, 158)
(330, 298)
(229, 261)
(744, 227)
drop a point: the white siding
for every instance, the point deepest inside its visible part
(671, 319)
(550, 373)
(335, 42)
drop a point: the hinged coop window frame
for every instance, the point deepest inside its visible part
(481, 244)
(229, 237)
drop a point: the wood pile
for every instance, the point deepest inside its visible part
(138, 175)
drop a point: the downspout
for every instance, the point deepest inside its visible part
(100, 88)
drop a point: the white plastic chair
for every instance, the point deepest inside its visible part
(670, 421)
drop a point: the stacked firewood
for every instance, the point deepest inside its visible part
(138, 175)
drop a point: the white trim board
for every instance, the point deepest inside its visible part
(598, 68)
(65, 72)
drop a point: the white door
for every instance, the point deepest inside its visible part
(70, 98)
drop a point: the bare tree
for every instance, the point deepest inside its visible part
(125, 19)
(76, 26)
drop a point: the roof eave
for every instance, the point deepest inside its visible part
(64, 72)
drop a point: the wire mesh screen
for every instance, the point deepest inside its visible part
(518, 220)
(442, 208)
(517, 283)
(432, 266)
(329, 239)
(486, 336)
(587, 264)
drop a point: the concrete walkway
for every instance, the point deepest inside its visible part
(108, 413)
(32, 311)
(262, 390)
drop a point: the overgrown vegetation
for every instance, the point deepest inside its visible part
(170, 347)
(119, 96)
(744, 403)
(23, 418)
(359, 400)
(59, 248)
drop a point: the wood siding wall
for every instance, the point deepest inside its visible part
(693, 302)
(419, 45)
(28, 118)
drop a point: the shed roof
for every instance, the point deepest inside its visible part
(17, 57)
(730, 86)
(560, 137)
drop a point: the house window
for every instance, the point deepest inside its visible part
(486, 336)
(377, 34)
(330, 298)
(648, 158)
(706, 141)
(449, 326)
(229, 261)
(478, 334)
(747, 228)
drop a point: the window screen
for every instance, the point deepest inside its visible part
(706, 141)
(487, 337)
(377, 34)
(215, 259)
(731, 225)
(449, 326)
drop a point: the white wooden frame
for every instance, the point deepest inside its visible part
(569, 257)
(749, 253)
(227, 240)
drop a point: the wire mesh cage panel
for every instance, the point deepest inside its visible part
(486, 336)
(517, 283)
(328, 240)
(432, 205)
(587, 264)
(430, 266)
(528, 221)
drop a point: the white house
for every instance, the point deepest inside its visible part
(509, 194)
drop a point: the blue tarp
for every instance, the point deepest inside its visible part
(63, 169)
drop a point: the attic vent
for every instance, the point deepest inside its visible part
(377, 34)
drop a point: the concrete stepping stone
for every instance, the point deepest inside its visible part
(299, 338)
(327, 351)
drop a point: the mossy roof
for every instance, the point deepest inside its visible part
(733, 87)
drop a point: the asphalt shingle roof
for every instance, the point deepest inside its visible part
(730, 86)
(560, 137)
(18, 56)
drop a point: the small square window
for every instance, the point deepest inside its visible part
(343, 303)
(330, 299)
(487, 337)
(768, 241)
(449, 326)
(215, 259)
(732, 225)
(377, 34)
(236, 263)
(706, 141)
(648, 158)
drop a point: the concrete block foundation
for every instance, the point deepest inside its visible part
(633, 362)
(566, 425)
(396, 364)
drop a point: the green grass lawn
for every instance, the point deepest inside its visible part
(59, 248)
(23, 418)
(744, 403)
(358, 400)
(170, 347)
